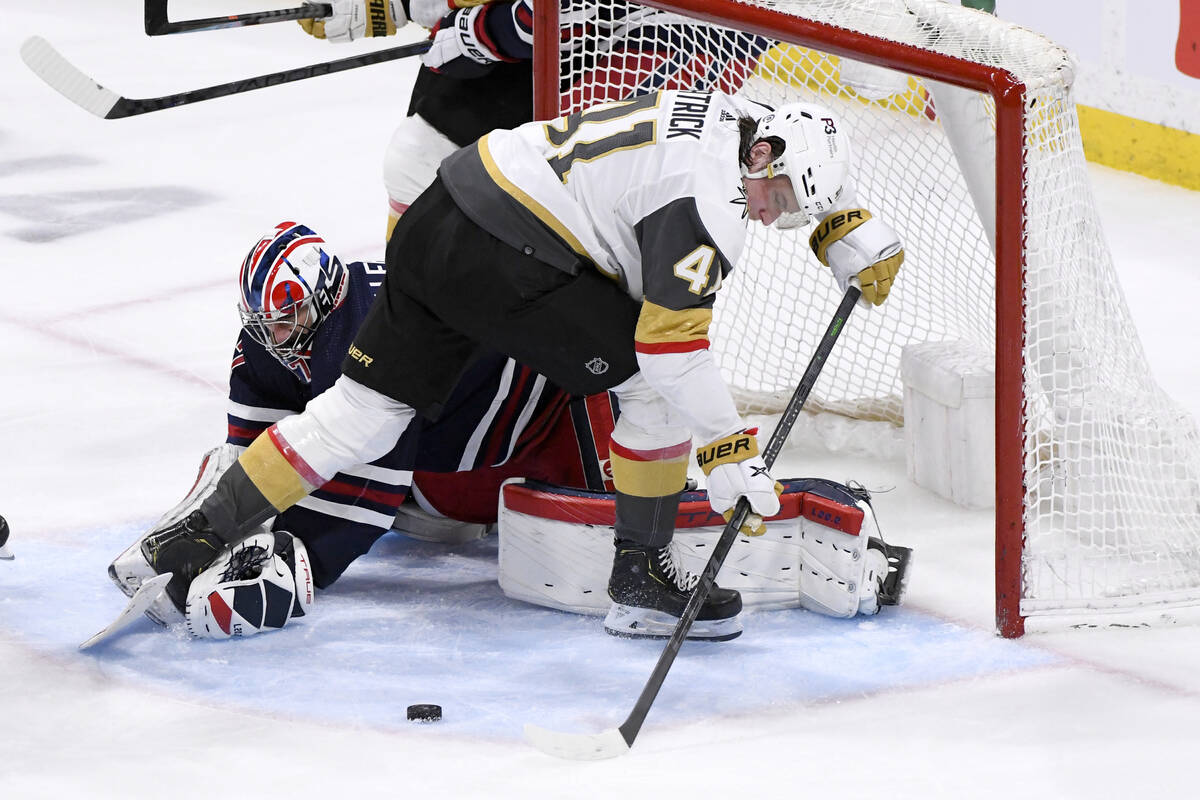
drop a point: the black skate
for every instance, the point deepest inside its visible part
(185, 549)
(649, 592)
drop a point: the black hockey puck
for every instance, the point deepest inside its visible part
(424, 712)
(3, 531)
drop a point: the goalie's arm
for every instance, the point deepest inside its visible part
(261, 392)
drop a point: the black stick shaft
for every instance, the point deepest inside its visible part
(128, 107)
(158, 25)
(633, 723)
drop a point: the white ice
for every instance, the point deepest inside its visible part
(120, 241)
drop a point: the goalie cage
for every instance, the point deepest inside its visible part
(972, 151)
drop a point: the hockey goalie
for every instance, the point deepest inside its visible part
(823, 552)
(300, 306)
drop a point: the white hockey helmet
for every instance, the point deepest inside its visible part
(815, 155)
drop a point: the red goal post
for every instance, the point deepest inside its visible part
(1019, 441)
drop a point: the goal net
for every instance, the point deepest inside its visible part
(966, 140)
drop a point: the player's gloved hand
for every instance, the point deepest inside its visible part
(461, 45)
(356, 19)
(857, 246)
(734, 470)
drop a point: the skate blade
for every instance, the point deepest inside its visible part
(630, 622)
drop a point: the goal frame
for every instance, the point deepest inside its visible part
(1009, 94)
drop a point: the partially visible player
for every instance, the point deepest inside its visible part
(477, 75)
(300, 307)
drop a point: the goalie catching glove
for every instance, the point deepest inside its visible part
(357, 19)
(219, 589)
(859, 247)
(735, 469)
(255, 585)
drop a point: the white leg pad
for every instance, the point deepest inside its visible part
(130, 568)
(556, 549)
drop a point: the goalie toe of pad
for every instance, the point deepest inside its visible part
(130, 569)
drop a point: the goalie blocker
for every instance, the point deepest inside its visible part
(822, 552)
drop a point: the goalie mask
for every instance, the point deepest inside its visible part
(289, 285)
(811, 147)
(255, 585)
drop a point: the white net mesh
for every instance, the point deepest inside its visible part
(1112, 466)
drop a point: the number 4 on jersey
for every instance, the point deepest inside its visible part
(694, 268)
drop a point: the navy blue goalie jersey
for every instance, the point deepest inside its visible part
(496, 402)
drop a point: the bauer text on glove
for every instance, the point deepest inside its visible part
(856, 245)
(469, 42)
(735, 469)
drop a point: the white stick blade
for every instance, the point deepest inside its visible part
(65, 78)
(142, 599)
(577, 746)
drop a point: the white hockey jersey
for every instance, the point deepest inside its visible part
(646, 190)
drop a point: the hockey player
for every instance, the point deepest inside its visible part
(300, 307)
(477, 75)
(589, 248)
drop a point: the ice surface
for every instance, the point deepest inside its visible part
(120, 244)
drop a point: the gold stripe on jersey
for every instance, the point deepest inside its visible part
(659, 325)
(272, 474)
(527, 201)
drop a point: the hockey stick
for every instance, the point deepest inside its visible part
(67, 79)
(158, 25)
(617, 741)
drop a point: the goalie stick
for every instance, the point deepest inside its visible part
(141, 600)
(617, 741)
(157, 23)
(69, 81)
